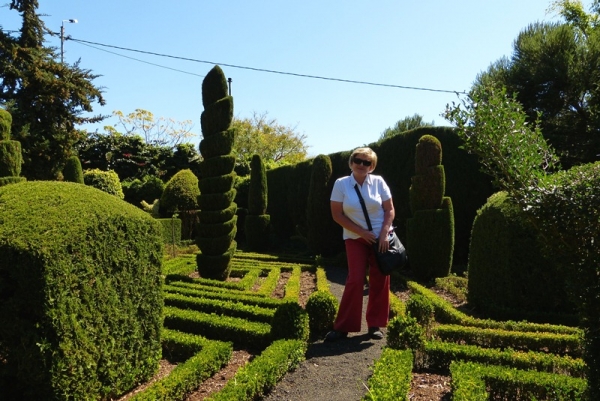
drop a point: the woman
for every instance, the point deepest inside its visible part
(347, 212)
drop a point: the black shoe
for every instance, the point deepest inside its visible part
(375, 333)
(335, 335)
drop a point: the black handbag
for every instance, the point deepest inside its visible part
(395, 257)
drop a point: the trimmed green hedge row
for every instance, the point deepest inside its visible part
(259, 376)
(209, 357)
(224, 307)
(246, 297)
(473, 381)
(438, 355)
(241, 332)
(560, 344)
(392, 375)
(270, 282)
(446, 313)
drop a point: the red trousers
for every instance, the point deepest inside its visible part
(349, 318)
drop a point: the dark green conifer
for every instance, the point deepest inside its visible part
(73, 171)
(257, 221)
(11, 157)
(430, 232)
(318, 211)
(217, 227)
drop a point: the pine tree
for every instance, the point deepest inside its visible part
(47, 98)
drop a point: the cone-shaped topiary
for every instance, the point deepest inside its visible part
(181, 195)
(217, 226)
(11, 158)
(72, 171)
(256, 224)
(430, 232)
(318, 212)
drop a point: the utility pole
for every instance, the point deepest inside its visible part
(62, 37)
(229, 84)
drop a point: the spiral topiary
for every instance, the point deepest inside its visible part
(217, 225)
(11, 157)
(430, 232)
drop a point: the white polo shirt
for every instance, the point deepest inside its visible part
(374, 191)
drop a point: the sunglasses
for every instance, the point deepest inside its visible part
(365, 163)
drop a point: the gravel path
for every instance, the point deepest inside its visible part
(335, 371)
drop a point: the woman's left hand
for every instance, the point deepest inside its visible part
(383, 244)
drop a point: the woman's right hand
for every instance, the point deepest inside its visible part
(368, 236)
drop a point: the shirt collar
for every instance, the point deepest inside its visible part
(367, 179)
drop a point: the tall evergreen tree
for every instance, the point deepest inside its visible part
(46, 98)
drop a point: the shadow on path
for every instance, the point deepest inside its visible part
(333, 370)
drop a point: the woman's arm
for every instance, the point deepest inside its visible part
(388, 218)
(337, 212)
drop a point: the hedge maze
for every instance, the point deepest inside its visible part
(205, 319)
(486, 359)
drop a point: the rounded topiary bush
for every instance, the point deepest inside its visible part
(509, 276)
(290, 321)
(322, 306)
(404, 332)
(72, 171)
(107, 181)
(181, 192)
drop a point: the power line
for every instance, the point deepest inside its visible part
(143, 61)
(88, 43)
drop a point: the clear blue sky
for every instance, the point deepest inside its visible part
(438, 45)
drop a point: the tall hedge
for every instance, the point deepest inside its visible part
(80, 290)
(318, 211)
(466, 185)
(257, 221)
(510, 278)
(11, 157)
(430, 232)
(217, 227)
(73, 171)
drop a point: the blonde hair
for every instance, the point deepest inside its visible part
(368, 152)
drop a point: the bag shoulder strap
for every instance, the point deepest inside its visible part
(364, 207)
